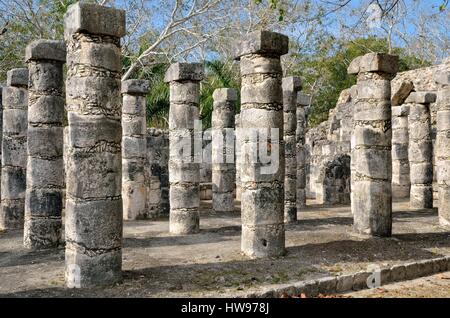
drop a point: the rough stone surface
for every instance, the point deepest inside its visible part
(135, 87)
(374, 62)
(157, 173)
(134, 148)
(423, 80)
(371, 155)
(94, 19)
(401, 92)
(401, 183)
(94, 211)
(303, 102)
(291, 86)
(1, 133)
(336, 181)
(237, 124)
(184, 172)
(262, 198)
(420, 153)
(14, 150)
(326, 148)
(262, 43)
(184, 72)
(17, 77)
(443, 147)
(51, 50)
(223, 166)
(45, 177)
(421, 98)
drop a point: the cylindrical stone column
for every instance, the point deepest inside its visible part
(262, 181)
(371, 187)
(134, 148)
(420, 151)
(237, 126)
(401, 183)
(1, 135)
(45, 167)
(223, 167)
(184, 170)
(303, 102)
(14, 150)
(291, 85)
(443, 146)
(93, 226)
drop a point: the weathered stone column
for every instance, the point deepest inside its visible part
(1, 135)
(443, 146)
(420, 151)
(401, 183)
(14, 149)
(237, 126)
(371, 187)
(262, 183)
(291, 85)
(184, 172)
(45, 167)
(303, 102)
(94, 162)
(223, 171)
(134, 148)
(157, 173)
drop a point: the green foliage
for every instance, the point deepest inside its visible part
(44, 20)
(218, 75)
(324, 70)
(158, 97)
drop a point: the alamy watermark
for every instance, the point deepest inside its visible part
(254, 146)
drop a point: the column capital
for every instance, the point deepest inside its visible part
(184, 72)
(46, 50)
(292, 84)
(225, 94)
(17, 77)
(135, 87)
(374, 62)
(262, 42)
(94, 19)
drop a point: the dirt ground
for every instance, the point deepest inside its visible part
(157, 264)
(436, 286)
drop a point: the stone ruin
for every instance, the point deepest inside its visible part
(377, 143)
(327, 154)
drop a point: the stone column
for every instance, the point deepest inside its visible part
(303, 102)
(262, 183)
(157, 174)
(354, 95)
(420, 150)
(401, 183)
(371, 186)
(184, 172)
(45, 167)
(14, 149)
(134, 148)
(223, 171)
(291, 85)
(93, 225)
(1, 134)
(443, 146)
(237, 124)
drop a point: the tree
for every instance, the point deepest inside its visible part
(325, 71)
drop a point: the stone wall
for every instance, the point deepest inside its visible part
(419, 80)
(326, 145)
